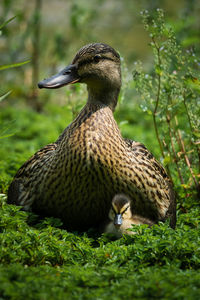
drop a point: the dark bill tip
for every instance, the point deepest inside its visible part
(41, 84)
(68, 75)
(118, 220)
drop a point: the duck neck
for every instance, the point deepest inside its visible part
(105, 96)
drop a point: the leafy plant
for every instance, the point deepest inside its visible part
(3, 67)
(8, 66)
(171, 95)
(40, 260)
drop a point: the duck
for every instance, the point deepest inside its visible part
(121, 217)
(76, 177)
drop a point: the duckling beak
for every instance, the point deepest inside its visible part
(66, 76)
(118, 220)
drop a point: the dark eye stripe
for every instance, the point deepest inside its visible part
(125, 210)
(122, 211)
(91, 60)
(84, 62)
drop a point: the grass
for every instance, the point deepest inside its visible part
(41, 260)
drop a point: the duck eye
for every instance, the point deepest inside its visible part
(97, 58)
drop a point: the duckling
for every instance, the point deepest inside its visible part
(76, 177)
(122, 218)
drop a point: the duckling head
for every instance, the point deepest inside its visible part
(120, 209)
(98, 66)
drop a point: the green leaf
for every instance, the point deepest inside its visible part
(167, 160)
(5, 136)
(158, 70)
(196, 133)
(193, 83)
(4, 96)
(3, 67)
(6, 22)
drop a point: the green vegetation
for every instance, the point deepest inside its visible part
(8, 66)
(171, 95)
(39, 259)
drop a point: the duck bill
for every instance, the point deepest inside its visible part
(68, 75)
(118, 220)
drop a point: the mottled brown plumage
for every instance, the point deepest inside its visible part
(76, 177)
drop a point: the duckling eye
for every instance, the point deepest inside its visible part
(97, 58)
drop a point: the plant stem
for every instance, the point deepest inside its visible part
(36, 49)
(191, 128)
(185, 156)
(168, 119)
(157, 100)
(170, 154)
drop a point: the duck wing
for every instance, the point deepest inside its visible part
(146, 156)
(20, 191)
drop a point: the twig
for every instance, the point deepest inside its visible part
(170, 154)
(157, 101)
(176, 160)
(185, 156)
(191, 128)
(36, 48)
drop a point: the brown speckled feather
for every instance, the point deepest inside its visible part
(143, 153)
(76, 178)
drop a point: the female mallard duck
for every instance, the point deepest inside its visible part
(76, 177)
(122, 218)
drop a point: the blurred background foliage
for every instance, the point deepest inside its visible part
(49, 33)
(54, 30)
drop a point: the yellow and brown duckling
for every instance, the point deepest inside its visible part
(76, 177)
(121, 217)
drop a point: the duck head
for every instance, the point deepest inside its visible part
(98, 66)
(120, 209)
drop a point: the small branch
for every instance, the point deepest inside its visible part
(36, 50)
(185, 156)
(157, 101)
(191, 128)
(170, 154)
(176, 160)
